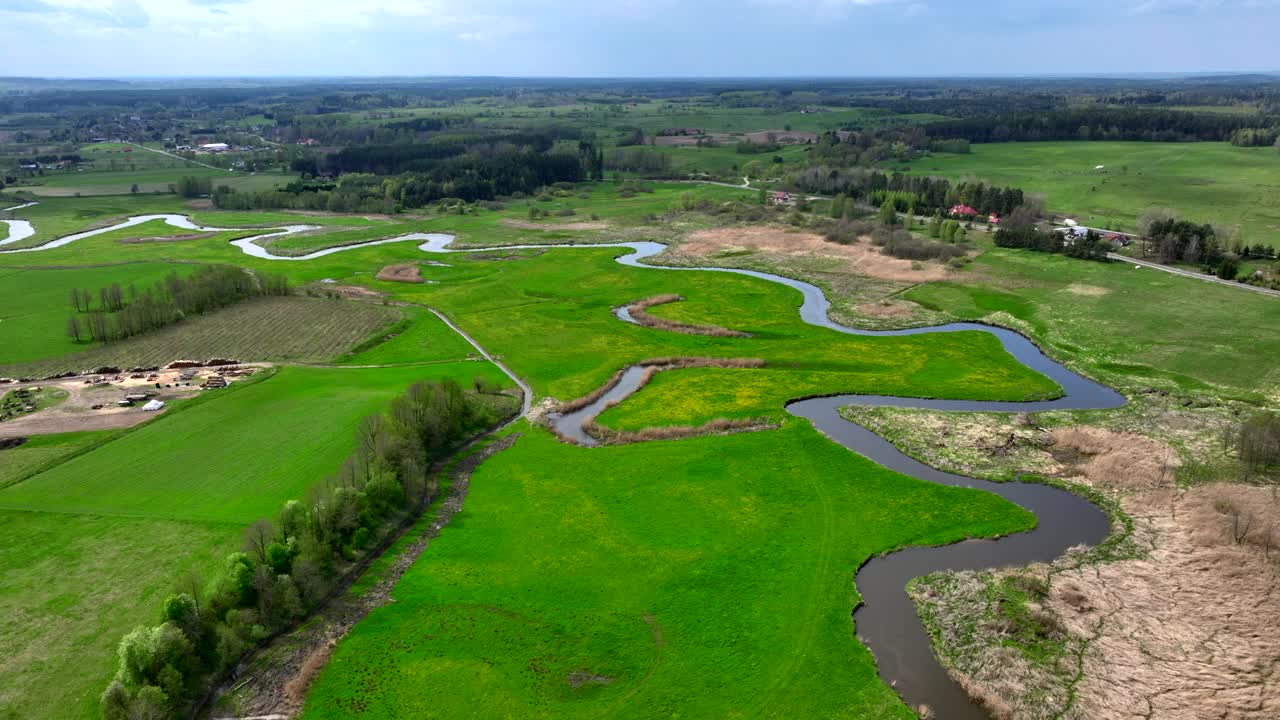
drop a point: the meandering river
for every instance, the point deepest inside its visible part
(886, 621)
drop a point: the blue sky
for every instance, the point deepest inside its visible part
(153, 38)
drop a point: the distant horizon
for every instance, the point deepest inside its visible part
(100, 39)
(1137, 75)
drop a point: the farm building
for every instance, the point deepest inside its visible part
(153, 406)
(215, 147)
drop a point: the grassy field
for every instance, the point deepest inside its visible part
(1205, 182)
(35, 304)
(702, 578)
(107, 533)
(205, 463)
(158, 180)
(45, 450)
(419, 337)
(72, 586)
(708, 577)
(298, 329)
(1130, 327)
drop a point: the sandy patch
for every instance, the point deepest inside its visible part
(405, 272)
(1087, 290)
(1189, 631)
(584, 225)
(863, 258)
(77, 412)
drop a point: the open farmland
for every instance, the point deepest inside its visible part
(122, 182)
(35, 304)
(612, 581)
(1204, 182)
(779, 455)
(1131, 326)
(297, 329)
(100, 557)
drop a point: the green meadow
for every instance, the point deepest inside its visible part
(35, 304)
(106, 534)
(208, 463)
(1205, 182)
(1130, 327)
(709, 577)
(700, 578)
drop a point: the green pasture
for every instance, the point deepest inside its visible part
(551, 315)
(43, 451)
(419, 337)
(150, 181)
(71, 585)
(234, 458)
(1131, 327)
(709, 577)
(700, 578)
(35, 304)
(1204, 182)
(107, 533)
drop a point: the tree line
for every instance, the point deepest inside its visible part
(392, 178)
(123, 313)
(926, 194)
(1090, 246)
(290, 564)
(1094, 123)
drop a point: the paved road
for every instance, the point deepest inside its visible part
(1195, 275)
(527, 402)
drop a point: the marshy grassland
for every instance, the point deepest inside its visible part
(708, 576)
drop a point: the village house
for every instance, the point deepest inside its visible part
(782, 198)
(963, 211)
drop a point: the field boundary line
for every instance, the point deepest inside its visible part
(527, 403)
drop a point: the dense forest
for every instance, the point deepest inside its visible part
(1100, 123)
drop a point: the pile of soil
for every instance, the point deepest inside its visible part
(404, 272)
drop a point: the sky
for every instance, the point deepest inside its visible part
(647, 38)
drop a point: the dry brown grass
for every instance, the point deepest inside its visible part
(1116, 460)
(1087, 290)
(638, 313)
(719, 426)
(1187, 632)
(404, 272)
(295, 689)
(862, 258)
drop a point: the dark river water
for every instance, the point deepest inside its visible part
(887, 621)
